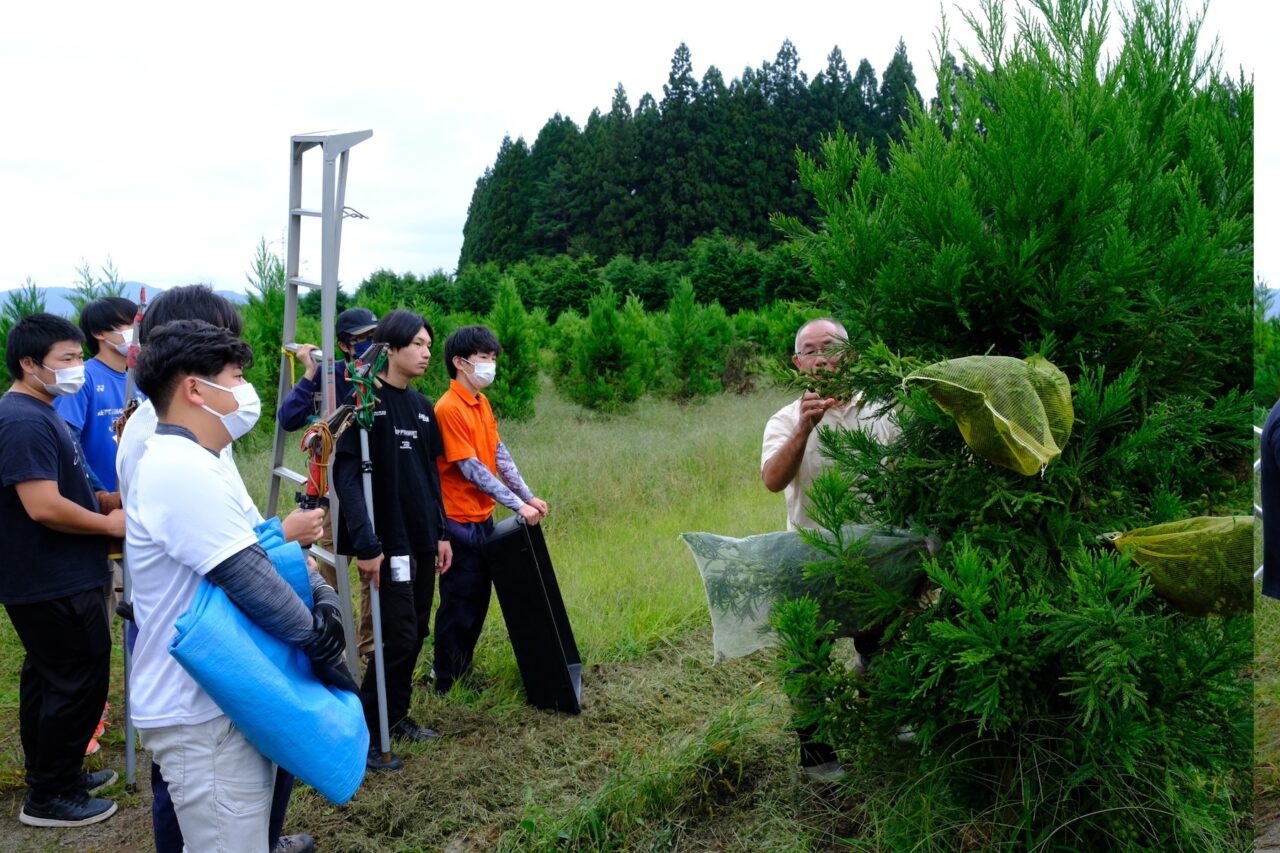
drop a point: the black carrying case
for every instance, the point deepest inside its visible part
(534, 612)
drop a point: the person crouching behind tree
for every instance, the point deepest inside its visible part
(476, 473)
(187, 521)
(408, 545)
(53, 574)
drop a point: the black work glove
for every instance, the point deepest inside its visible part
(326, 646)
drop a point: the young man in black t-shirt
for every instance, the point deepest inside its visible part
(52, 577)
(410, 544)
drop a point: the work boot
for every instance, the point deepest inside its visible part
(70, 809)
(374, 760)
(827, 773)
(300, 843)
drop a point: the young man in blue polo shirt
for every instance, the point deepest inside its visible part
(53, 573)
(91, 412)
(107, 325)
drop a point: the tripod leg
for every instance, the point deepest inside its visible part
(130, 748)
(388, 761)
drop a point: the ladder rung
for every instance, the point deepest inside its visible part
(299, 281)
(323, 556)
(293, 476)
(306, 211)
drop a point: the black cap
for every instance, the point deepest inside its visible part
(356, 321)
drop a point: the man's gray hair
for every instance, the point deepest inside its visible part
(795, 348)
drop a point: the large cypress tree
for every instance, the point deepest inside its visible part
(1098, 214)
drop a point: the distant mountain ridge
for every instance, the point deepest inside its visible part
(57, 299)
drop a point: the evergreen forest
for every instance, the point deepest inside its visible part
(711, 155)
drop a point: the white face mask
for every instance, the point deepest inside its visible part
(248, 409)
(66, 380)
(123, 348)
(482, 372)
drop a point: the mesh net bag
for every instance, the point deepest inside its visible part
(1015, 413)
(744, 577)
(1201, 566)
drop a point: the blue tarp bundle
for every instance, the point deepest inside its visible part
(266, 687)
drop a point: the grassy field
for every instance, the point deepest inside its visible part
(669, 752)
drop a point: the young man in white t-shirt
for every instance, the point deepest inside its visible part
(187, 519)
(199, 302)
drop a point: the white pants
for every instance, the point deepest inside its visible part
(221, 786)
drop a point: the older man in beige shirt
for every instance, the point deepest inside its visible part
(792, 458)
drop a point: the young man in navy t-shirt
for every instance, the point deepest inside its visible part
(52, 578)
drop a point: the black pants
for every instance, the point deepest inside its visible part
(464, 602)
(406, 617)
(64, 685)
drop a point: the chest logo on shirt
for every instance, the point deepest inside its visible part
(406, 437)
(101, 389)
(422, 417)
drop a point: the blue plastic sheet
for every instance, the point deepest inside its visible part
(266, 687)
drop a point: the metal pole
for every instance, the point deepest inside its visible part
(130, 747)
(389, 761)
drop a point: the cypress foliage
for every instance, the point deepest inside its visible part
(516, 384)
(696, 338)
(607, 372)
(1100, 214)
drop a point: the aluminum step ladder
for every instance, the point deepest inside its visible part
(335, 148)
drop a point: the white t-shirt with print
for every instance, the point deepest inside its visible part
(185, 513)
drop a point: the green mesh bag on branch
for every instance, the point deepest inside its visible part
(1201, 566)
(1012, 412)
(745, 577)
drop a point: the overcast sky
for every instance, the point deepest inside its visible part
(158, 133)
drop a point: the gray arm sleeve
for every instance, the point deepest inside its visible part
(508, 471)
(482, 478)
(251, 581)
(321, 592)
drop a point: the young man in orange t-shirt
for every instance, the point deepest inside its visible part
(476, 472)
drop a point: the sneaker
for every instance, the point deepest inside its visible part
(300, 843)
(94, 782)
(408, 730)
(77, 809)
(827, 773)
(375, 762)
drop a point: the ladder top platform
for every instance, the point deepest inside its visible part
(333, 141)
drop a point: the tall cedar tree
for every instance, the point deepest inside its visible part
(1098, 212)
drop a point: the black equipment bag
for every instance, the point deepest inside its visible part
(534, 612)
